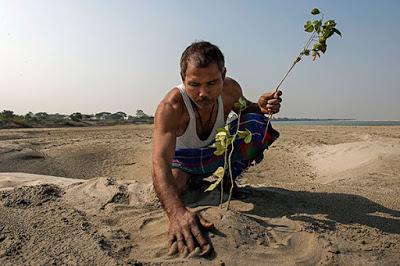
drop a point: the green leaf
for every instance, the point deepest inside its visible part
(241, 104)
(328, 33)
(316, 46)
(308, 27)
(219, 172)
(306, 52)
(315, 11)
(220, 149)
(247, 139)
(219, 152)
(317, 25)
(241, 134)
(222, 133)
(337, 32)
(214, 185)
(330, 23)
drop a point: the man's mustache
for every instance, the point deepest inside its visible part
(204, 100)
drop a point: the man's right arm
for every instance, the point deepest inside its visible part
(184, 225)
(164, 139)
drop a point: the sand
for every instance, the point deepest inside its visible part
(324, 195)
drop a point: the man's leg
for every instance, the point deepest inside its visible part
(185, 181)
(181, 179)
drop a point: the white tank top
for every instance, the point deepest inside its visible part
(190, 139)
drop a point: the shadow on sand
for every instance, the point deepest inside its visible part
(335, 207)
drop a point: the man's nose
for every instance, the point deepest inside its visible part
(204, 91)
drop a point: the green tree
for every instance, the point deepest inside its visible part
(77, 117)
(7, 114)
(141, 114)
(41, 116)
(29, 116)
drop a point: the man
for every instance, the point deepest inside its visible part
(187, 118)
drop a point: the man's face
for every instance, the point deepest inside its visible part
(203, 84)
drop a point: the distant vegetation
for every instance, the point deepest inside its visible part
(8, 119)
(309, 119)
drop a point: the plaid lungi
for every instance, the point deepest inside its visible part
(203, 161)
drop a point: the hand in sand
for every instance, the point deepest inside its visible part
(270, 103)
(185, 235)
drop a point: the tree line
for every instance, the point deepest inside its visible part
(9, 119)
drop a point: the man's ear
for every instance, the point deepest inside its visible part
(224, 73)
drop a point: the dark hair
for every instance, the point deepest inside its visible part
(202, 53)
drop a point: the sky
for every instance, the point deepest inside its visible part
(92, 56)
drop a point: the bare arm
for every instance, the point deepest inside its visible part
(267, 103)
(184, 226)
(164, 141)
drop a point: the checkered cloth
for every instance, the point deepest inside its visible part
(203, 161)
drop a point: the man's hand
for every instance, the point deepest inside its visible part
(270, 103)
(185, 235)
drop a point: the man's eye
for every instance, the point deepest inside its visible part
(211, 83)
(194, 85)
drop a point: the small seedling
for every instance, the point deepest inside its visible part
(224, 146)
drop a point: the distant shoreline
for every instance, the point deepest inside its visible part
(338, 122)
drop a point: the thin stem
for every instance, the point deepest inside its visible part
(230, 174)
(298, 58)
(222, 181)
(230, 160)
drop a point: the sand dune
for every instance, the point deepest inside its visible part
(322, 196)
(330, 161)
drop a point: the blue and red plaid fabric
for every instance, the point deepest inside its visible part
(203, 161)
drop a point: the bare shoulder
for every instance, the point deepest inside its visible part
(173, 99)
(171, 112)
(231, 93)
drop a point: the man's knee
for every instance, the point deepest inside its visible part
(181, 179)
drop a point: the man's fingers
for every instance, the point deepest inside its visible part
(277, 94)
(273, 106)
(206, 250)
(199, 236)
(181, 244)
(189, 239)
(204, 223)
(195, 253)
(172, 245)
(184, 252)
(173, 249)
(267, 96)
(274, 101)
(171, 240)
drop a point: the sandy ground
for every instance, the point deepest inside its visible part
(324, 195)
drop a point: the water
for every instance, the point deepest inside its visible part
(339, 123)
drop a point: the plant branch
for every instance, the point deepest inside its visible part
(230, 160)
(222, 180)
(298, 58)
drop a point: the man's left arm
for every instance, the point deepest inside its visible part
(268, 103)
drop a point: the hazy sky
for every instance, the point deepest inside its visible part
(92, 56)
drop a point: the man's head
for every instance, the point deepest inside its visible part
(203, 72)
